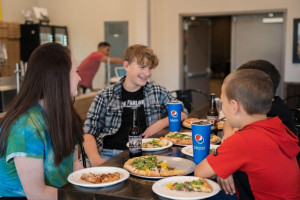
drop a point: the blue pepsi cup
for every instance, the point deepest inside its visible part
(174, 114)
(201, 140)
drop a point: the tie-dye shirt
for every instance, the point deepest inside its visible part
(29, 137)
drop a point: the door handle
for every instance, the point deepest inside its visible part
(192, 75)
(203, 74)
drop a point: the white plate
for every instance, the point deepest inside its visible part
(188, 150)
(153, 149)
(178, 163)
(161, 189)
(74, 178)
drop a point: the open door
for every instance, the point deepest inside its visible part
(197, 69)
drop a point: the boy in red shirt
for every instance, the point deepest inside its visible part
(261, 157)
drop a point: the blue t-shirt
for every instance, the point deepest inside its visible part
(29, 137)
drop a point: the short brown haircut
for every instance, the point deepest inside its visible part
(252, 88)
(143, 55)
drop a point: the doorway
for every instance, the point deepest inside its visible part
(207, 51)
(232, 40)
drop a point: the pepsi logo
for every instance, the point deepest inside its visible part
(174, 113)
(199, 139)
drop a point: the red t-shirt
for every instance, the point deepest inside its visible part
(89, 67)
(266, 151)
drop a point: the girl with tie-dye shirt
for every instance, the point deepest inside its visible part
(41, 129)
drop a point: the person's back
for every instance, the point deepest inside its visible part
(282, 110)
(267, 164)
(89, 67)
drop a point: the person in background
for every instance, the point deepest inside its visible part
(90, 65)
(261, 157)
(41, 128)
(109, 117)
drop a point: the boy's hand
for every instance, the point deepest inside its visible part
(227, 184)
(154, 128)
(151, 130)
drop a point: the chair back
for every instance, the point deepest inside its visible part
(185, 95)
(293, 101)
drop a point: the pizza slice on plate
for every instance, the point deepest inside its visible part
(188, 122)
(100, 178)
(214, 139)
(156, 143)
(151, 167)
(184, 138)
(199, 185)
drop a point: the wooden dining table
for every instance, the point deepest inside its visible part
(132, 188)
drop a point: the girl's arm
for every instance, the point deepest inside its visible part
(31, 174)
(77, 164)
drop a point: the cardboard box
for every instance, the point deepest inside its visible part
(10, 35)
(3, 29)
(7, 70)
(14, 31)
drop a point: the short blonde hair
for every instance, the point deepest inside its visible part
(141, 54)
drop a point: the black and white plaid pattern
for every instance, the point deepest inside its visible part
(105, 114)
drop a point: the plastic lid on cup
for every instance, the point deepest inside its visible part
(201, 122)
(174, 102)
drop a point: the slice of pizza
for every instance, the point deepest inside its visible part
(156, 143)
(184, 138)
(214, 139)
(150, 166)
(100, 178)
(188, 122)
(199, 185)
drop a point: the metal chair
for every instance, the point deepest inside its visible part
(185, 95)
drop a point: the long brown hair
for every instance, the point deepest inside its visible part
(48, 78)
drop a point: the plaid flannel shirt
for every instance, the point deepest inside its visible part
(105, 114)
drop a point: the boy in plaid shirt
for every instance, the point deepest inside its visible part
(109, 117)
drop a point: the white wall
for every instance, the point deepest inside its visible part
(11, 9)
(85, 20)
(165, 32)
